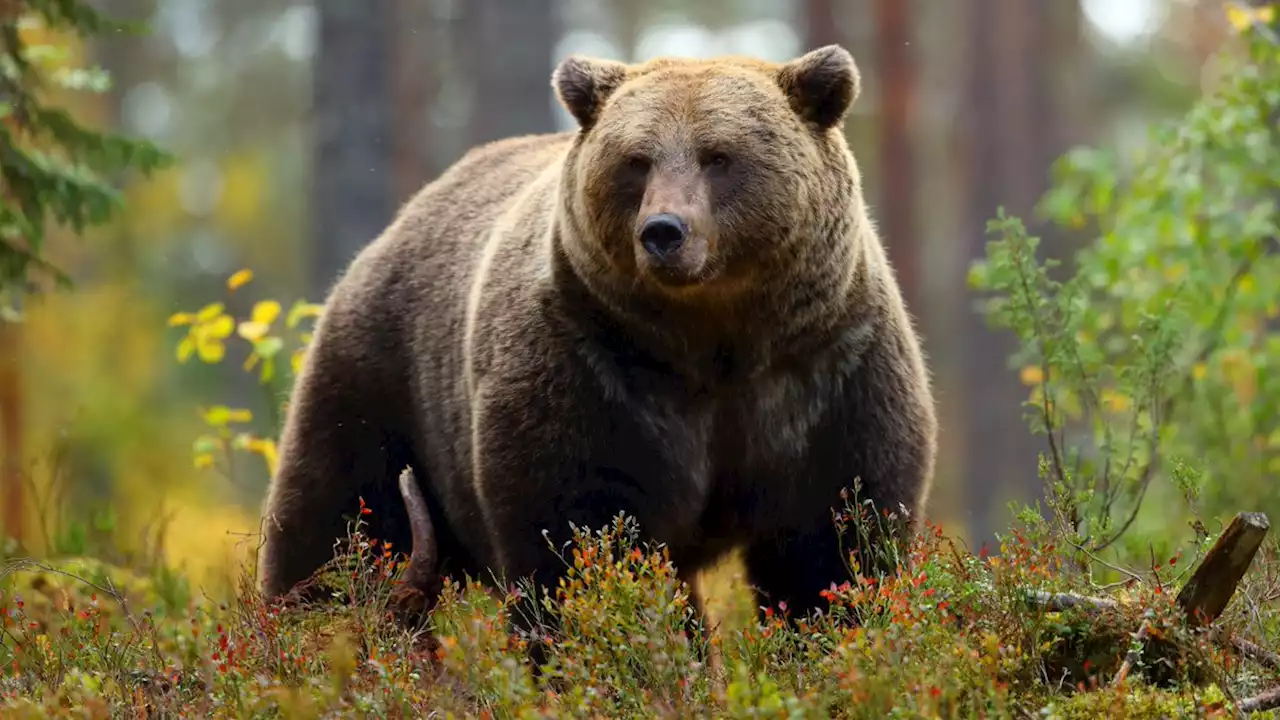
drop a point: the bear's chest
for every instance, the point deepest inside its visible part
(768, 423)
(729, 458)
(732, 456)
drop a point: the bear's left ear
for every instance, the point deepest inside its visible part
(583, 84)
(821, 85)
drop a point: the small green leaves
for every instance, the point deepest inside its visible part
(1160, 338)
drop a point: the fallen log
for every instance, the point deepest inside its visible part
(1256, 653)
(1269, 700)
(1202, 599)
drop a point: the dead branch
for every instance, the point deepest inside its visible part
(1131, 657)
(1206, 594)
(1202, 600)
(1269, 700)
(1256, 653)
(1062, 601)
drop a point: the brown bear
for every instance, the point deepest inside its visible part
(680, 310)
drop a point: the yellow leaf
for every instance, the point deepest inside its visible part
(301, 310)
(252, 330)
(267, 449)
(211, 351)
(1199, 370)
(221, 415)
(219, 328)
(239, 279)
(209, 312)
(181, 318)
(185, 348)
(203, 460)
(1241, 16)
(1247, 284)
(1031, 375)
(269, 455)
(266, 311)
(250, 361)
(296, 361)
(1175, 272)
(1117, 402)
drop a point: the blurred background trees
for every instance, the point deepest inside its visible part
(301, 127)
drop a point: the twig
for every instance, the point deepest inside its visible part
(1054, 452)
(1131, 574)
(1144, 482)
(1062, 601)
(1256, 653)
(1269, 700)
(1131, 657)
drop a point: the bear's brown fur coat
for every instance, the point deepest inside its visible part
(515, 338)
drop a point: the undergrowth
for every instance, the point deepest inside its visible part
(954, 634)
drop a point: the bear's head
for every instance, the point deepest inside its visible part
(706, 175)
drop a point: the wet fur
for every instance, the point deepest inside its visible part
(500, 339)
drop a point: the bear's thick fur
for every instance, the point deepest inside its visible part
(681, 310)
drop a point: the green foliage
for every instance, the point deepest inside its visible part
(1163, 341)
(52, 166)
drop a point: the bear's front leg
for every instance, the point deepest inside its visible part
(878, 431)
(552, 447)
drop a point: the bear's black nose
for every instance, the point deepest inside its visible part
(663, 234)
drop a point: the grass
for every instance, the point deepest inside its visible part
(952, 635)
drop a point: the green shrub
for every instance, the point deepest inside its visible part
(1162, 343)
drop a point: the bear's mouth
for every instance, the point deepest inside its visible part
(681, 268)
(674, 277)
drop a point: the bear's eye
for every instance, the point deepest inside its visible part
(637, 163)
(718, 160)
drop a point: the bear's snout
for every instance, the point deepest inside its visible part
(673, 236)
(662, 235)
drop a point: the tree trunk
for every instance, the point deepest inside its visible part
(512, 45)
(11, 429)
(353, 172)
(415, 82)
(822, 26)
(1010, 138)
(896, 70)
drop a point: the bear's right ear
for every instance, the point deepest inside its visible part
(583, 84)
(821, 85)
